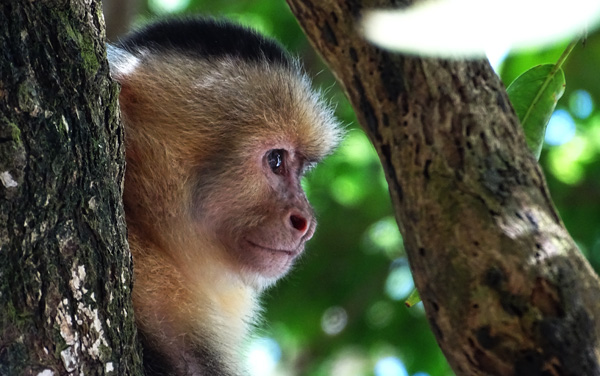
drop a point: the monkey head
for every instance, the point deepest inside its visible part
(229, 128)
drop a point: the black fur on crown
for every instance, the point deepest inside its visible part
(206, 38)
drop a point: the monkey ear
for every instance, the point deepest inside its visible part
(122, 63)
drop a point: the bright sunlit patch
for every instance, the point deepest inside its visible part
(399, 282)
(384, 236)
(168, 6)
(581, 104)
(549, 248)
(357, 149)
(263, 356)
(560, 129)
(352, 360)
(456, 28)
(334, 320)
(390, 366)
(346, 190)
(566, 161)
(496, 56)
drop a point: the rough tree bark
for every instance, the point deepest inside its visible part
(65, 267)
(505, 289)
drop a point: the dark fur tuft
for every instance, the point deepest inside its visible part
(207, 38)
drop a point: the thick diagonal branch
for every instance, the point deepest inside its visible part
(505, 288)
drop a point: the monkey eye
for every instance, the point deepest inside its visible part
(275, 160)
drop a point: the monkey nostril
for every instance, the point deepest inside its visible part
(299, 223)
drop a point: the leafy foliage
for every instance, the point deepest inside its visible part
(534, 95)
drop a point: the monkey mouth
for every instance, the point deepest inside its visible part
(289, 252)
(269, 262)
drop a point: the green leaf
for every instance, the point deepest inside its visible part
(534, 95)
(413, 298)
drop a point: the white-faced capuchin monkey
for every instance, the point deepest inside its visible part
(220, 124)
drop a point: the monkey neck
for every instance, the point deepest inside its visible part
(184, 287)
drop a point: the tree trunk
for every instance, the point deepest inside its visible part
(505, 288)
(65, 267)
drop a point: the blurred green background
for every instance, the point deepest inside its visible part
(341, 312)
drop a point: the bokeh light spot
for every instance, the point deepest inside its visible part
(334, 320)
(168, 6)
(263, 356)
(384, 236)
(581, 104)
(566, 161)
(351, 360)
(357, 150)
(561, 128)
(399, 282)
(346, 190)
(390, 366)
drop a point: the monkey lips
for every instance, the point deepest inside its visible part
(272, 257)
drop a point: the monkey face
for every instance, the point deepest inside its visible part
(259, 213)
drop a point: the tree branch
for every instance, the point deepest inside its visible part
(505, 288)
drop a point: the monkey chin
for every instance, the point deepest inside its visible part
(265, 265)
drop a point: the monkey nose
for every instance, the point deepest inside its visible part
(299, 223)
